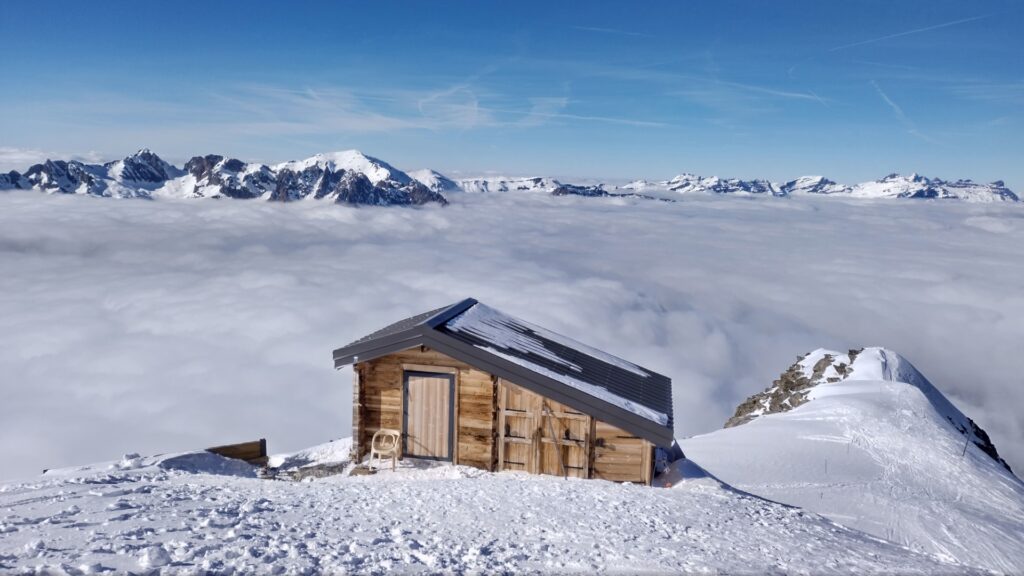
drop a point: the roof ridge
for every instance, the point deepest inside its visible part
(450, 312)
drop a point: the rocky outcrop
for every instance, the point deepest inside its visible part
(349, 187)
(791, 388)
(980, 439)
(420, 194)
(143, 167)
(574, 190)
(66, 178)
(218, 176)
(13, 181)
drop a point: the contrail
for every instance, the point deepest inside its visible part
(909, 32)
(895, 107)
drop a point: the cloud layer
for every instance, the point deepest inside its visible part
(160, 326)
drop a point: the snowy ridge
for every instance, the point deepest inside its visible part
(435, 181)
(892, 186)
(875, 446)
(501, 184)
(690, 183)
(422, 518)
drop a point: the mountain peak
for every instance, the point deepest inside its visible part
(144, 166)
(375, 169)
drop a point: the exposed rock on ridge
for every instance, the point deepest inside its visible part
(822, 367)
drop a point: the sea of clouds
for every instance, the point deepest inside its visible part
(159, 326)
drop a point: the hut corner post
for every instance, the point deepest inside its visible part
(357, 440)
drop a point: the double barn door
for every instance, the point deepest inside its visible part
(541, 436)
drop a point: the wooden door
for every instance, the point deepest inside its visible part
(564, 440)
(428, 415)
(540, 435)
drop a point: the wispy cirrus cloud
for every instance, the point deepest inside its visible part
(1003, 93)
(778, 93)
(613, 31)
(908, 33)
(462, 106)
(897, 110)
(734, 101)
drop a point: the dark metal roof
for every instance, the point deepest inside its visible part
(613, 390)
(400, 326)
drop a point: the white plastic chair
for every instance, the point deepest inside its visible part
(385, 442)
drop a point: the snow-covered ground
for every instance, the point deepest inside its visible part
(158, 326)
(422, 518)
(880, 450)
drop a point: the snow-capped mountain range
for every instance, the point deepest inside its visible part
(892, 186)
(347, 177)
(351, 177)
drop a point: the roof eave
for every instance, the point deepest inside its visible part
(379, 347)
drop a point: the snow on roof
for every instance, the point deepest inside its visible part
(592, 389)
(561, 358)
(487, 323)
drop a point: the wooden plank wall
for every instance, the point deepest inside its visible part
(380, 400)
(501, 426)
(620, 456)
(476, 419)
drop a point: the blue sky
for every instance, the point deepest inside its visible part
(851, 90)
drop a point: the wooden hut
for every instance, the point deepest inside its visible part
(473, 386)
